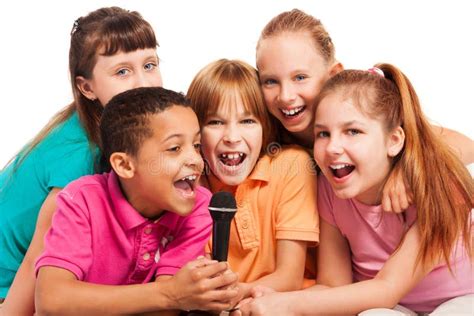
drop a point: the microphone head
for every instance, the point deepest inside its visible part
(223, 200)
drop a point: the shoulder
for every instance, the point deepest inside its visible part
(293, 161)
(85, 186)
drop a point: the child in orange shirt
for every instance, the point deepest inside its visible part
(274, 187)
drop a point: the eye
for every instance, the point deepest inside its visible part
(150, 66)
(322, 134)
(215, 122)
(174, 149)
(269, 82)
(248, 121)
(197, 146)
(300, 77)
(353, 132)
(122, 72)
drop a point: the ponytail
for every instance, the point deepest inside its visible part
(441, 184)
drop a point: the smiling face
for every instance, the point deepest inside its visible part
(231, 141)
(353, 150)
(114, 74)
(168, 164)
(291, 72)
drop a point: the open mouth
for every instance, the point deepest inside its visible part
(294, 111)
(341, 170)
(186, 185)
(232, 159)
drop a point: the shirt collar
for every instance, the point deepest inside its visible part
(261, 172)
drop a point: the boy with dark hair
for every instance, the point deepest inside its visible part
(144, 220)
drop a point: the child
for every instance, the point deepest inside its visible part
(367, 123)
(295, 57)
(111, 50)
(273, 187)
(146, 218)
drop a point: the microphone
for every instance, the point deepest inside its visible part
(222, 208)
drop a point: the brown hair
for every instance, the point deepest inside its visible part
(442, 186)
(299, 21)
(125, 122)
(220, 80)
(105, 31)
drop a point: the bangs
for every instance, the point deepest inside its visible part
(126, 35)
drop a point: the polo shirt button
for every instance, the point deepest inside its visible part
(146, 256)
(148, 230)
(245, 225)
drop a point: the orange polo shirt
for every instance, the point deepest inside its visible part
(276, 201)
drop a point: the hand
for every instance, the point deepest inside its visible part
(202, 284)
(396, 194)
(268, 304)
(260, 290)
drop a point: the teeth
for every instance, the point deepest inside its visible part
(232, 156)
(293, 111)
(190, 178)
(340, 166)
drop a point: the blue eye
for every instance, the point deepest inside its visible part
(300, 77)
(122, 72)
(269, 82)
(353, 132)
(150, 66)
(322, 134)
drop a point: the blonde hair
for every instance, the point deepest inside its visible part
(441, 184)
(222, 79)
(299, 21)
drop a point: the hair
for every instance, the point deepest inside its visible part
(298, 21)
(224, 79)
(442, 186)
(105, 32)
(125, 123)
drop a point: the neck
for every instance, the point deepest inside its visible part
(136, 200)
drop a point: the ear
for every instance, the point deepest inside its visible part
(123, 165)
(336, 68)
(84, 86)
(396, 141)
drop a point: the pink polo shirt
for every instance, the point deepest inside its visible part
(373, 235)
(97, 235)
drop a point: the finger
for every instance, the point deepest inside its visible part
(213, 270)
(395, 200)
(404, 201)
(201, 261)
(386, 204)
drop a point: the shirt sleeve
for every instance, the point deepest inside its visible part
(296, 213)
(325, 200)
(68, 241)
(191, 237)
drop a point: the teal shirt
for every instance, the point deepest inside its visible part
(63, 156)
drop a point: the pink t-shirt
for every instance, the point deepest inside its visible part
(373, 235)
(97, 235)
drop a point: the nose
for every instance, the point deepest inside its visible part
(232, 134)
(194, 158)
(335, 146)
(287, 94)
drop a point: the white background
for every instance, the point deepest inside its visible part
(431, 41)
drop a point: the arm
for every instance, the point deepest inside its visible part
(196, 286)
(397, 277)
(20, 299)
(462, 145)
(288, 275)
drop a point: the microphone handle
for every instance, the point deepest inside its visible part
(220, 239)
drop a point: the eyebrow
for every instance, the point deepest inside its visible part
(346, 124)
(180, 136)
